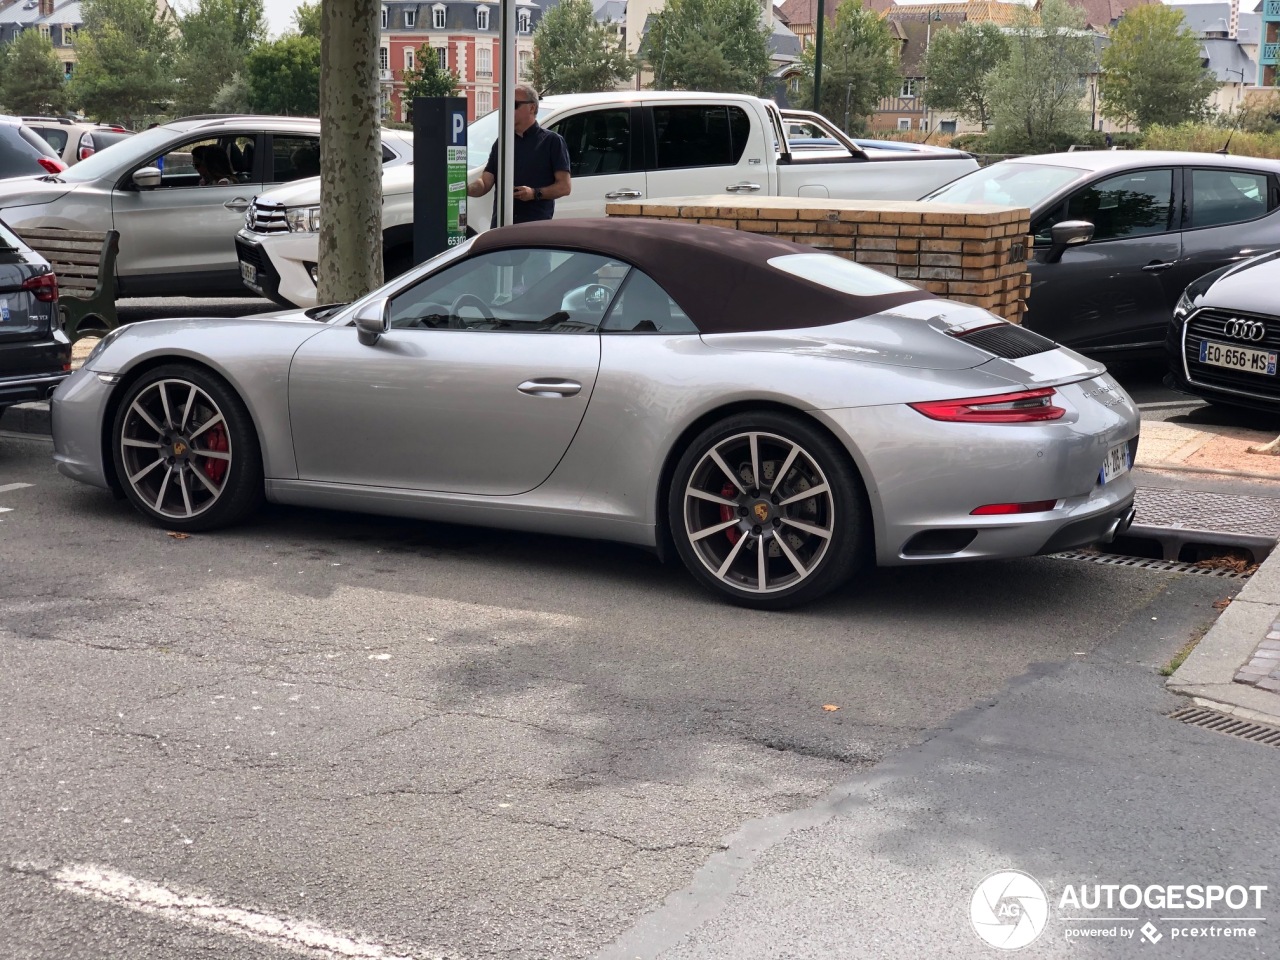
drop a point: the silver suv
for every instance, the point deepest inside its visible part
(177, 236)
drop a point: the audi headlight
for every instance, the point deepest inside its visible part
(303, 219)
(1183, 307)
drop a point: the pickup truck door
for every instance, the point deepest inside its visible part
(606, 159)
(707, 148)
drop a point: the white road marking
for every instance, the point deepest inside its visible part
(5, 488)
(296, 936)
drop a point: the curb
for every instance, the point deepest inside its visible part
(30, 418)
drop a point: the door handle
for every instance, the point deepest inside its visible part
(237, 203)
(742, 186)
(1157, 267)
(626, 194)
(550, 388)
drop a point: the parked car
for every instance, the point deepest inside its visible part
(74, 140)
(1225, 336)
(176, 237)
(772, 415)
(1159, 220)
(23, 152)
(622, 145)
(35, 355)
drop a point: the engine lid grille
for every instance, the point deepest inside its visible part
(1007, 340)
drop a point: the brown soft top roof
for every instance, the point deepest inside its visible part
(720, 277)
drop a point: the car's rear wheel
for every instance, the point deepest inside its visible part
(767, 511)
(185, 450)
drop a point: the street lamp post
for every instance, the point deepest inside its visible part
(817, 58)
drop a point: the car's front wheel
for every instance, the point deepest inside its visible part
(185, 449)
(767, 511)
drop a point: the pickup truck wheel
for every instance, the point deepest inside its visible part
(767, 511)
(186, 451)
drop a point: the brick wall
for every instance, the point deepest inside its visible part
(975, 253)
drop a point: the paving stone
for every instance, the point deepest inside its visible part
(1270, 683)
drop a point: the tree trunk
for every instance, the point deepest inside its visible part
(350, 151)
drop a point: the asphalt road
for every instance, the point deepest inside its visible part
(331, 735)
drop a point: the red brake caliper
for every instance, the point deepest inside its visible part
(728, 513)
(217, 440)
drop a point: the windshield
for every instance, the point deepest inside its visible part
(483, 132)
(348, 314)
(133, 149)
(1011, 183)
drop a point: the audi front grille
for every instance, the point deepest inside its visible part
(1239, 330)
(267, 217)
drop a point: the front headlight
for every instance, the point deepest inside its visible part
(303, 219)
(1183, 307)
(102, 345)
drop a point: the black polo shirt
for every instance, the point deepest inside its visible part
(539, 155)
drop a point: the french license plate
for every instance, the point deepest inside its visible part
(248, 272)
(1238, 358)
(1116, 463)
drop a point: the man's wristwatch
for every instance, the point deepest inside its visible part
(537, 193)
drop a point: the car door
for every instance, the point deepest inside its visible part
(1109, 294)
(478, 387)
(699, 149)
(1231, 214)
(605, 159)
(181, 229)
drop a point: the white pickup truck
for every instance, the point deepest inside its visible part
(622, 145)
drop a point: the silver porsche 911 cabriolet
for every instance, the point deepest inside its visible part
(774, 415)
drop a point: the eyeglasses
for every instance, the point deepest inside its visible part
(524, 103)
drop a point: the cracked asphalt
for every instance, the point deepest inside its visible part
(450, 742)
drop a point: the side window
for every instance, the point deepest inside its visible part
(293, 158)
(210, 161)
(1227, 196)
(53, 136)
(700, 136)
(1129, 205)
(599, 142)
(517, 291)
(644, 307)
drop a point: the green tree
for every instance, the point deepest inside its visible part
(307, 19)
(283, 76)
(33, 78)
(575, 53)
(859, 66)
(958, 69)
(124, 60)
(1038, 91)
(712, 45)
(1152, 71)
(427, 79)
(217, 35)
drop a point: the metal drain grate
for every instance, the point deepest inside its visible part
(1263, 733)
(1146, 563)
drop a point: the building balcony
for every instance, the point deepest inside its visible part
(1271, 10)
(384, 75)
(1270, 53)
(484, 74)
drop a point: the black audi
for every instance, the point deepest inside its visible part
(1224, 339)
(35, 354)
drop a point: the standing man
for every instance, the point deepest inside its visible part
(541, 165)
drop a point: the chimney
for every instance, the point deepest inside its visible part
(46, 8)
(1233, 27)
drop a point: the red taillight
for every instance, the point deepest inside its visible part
(44, 287)
(999, 509)
(1026, 406)
(51, 164)
(86, 146)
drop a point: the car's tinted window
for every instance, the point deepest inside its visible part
(54, 136)
(177, 170)
(17, 157)
(599, 142)
(644, 307)
(294, 158)
(1228, 196)
(515, 291)
(37, 141)
(1128, 205)
(700, 136)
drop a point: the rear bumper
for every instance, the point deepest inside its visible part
(31, 371)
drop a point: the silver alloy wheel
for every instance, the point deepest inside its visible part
(176, 449)
(759, 512)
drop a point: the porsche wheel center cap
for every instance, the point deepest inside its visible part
(760, 512)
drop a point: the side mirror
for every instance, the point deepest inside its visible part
(1068, 233)
(597, 296)
(147, 178)
(373, 320)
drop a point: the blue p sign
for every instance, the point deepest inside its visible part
(458, 133)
